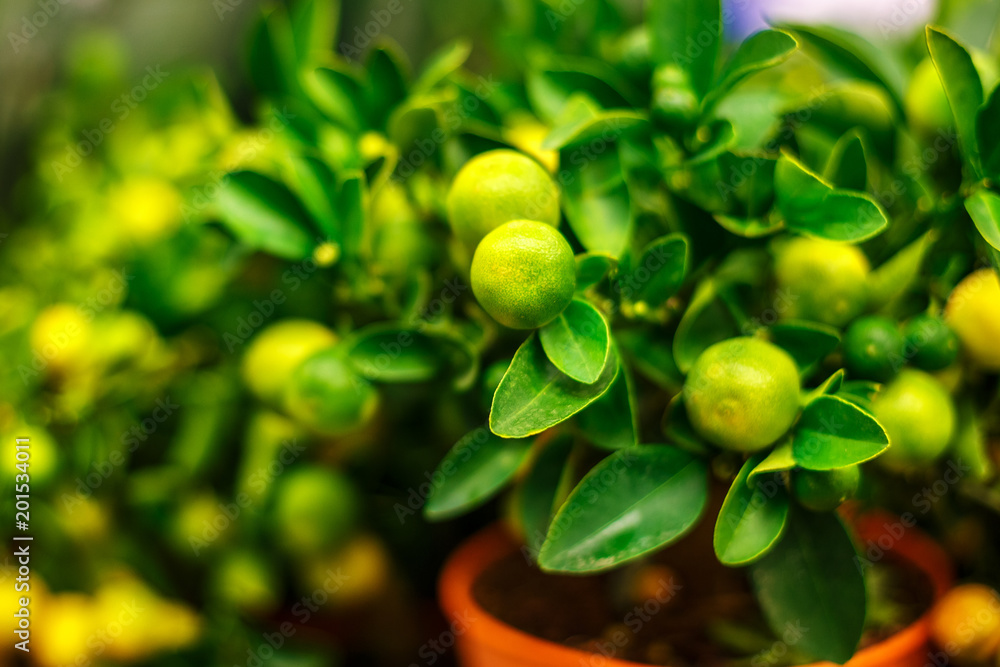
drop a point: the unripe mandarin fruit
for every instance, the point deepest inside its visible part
(326, 394)
(61, 336)
(973, 312)
(919, 417)
(873, 348)
(524, 274)
(966, 624)
(930, 342)
(314, 510)
(822, 281)
(742, 394)
(497, 187)
(146, 208)
(275, 353)
(825, 490)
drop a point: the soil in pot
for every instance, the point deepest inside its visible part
(679, 608)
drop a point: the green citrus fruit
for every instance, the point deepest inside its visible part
(497, 187)
(275, 353)
(930, 342)
(873, 348)
(919, 417)
(524, 274)
(247, 581)
(327, 395)
(822, 281)
(742, 394)
(314, 510)
(825, 490)
(973, 312)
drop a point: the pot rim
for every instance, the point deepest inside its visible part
(489, 545)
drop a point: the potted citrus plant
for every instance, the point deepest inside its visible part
(696, 283)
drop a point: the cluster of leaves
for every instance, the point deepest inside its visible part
(680, 168)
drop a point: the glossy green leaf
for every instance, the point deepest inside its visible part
(265, 214)
(834, 433)
(338, 94)
(385, 353)
(777, 461)
(314, 26)
(812, 207)
(687, 35)
(612, 421)
(894, 277)
(705, 322)
(591, 268)
(539, 493)
(661, 269)
(596, 200)
(759, 51)
(635, 501)
(387, 86)
(441, 64)
(831, 385)
(534, 395)
(752, 518)
(748, 177)
(854, 55)
(810, 579)
(551, 82)
(988, 135)
(582, 121)
(847, 166)
(962, 86)
(272, 63)
(807, 342)
(984, 209)
(859, 392)
(578, 341)
(352, 207)
(478, 466)
(317, 187)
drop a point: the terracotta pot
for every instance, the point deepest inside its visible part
(482, 640)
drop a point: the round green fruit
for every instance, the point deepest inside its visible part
(497, 187)
(919, 417)
(314, 510)
(742, 394)
(275, 353)
(930, 342)
(524, 274)
(822, 281)
(825, 490)
(873, 349)
(326, 394)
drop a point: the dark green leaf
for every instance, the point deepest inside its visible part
(272, 65)
(385, 353)
(478, 466)
(752, 518)
(596, 200)
(811, 581)
(988, 135)
(441, 64)
(812, 207)
(687, 35)
(578, 341)
(582, 121)
(807, 342)
(834, 433)
(317, 186)
(970, 446)
(778, 460)
(678, 430)
(552, 81)
(591, 268)
(611, 421)
(963, 87)
(338, 93)
(894, 278)
(387, 85)
(314, 26)
(859, 392)
(984, 209)
(847, 166)
(661, 269)
(352, 206)
(534, 395)
(540, 491)
(650, 351)
(831, 385)
(750, 228)
(635, 501)
(761, 50)
(265, 214)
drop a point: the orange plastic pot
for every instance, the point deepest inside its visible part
(482, 640)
